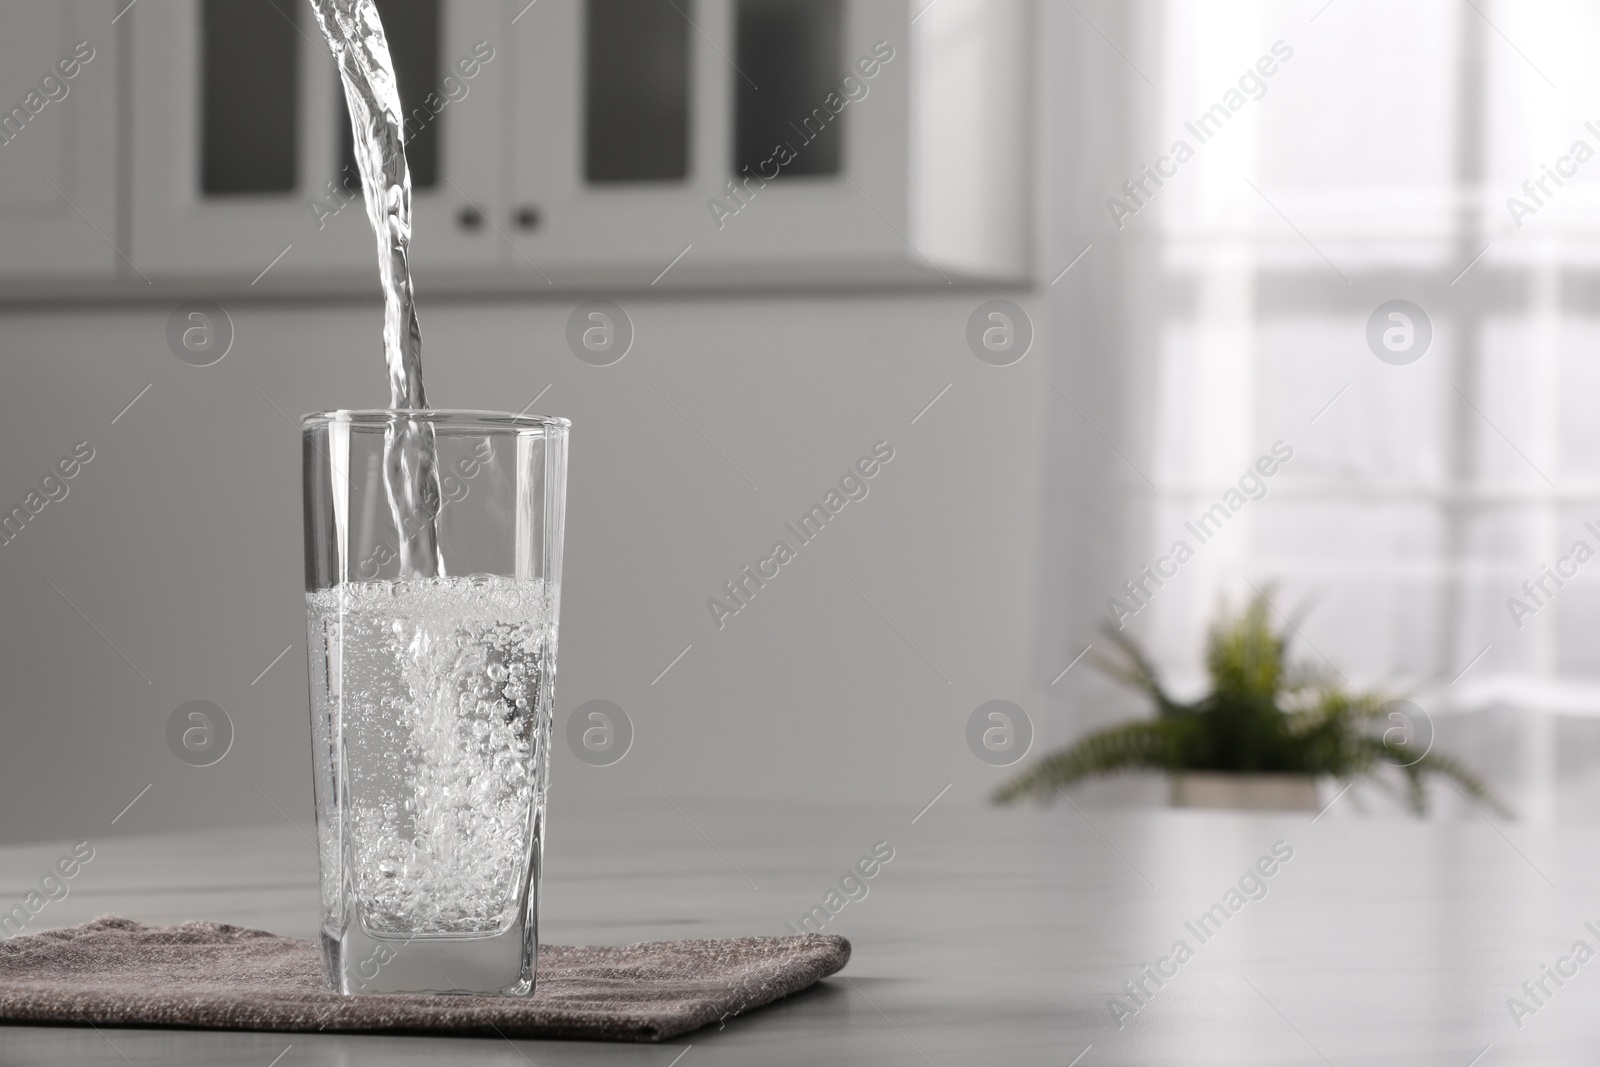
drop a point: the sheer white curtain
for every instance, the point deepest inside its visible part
(1338, 156)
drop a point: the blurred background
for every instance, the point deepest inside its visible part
(985, 249)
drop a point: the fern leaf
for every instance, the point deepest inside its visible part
(1137, 672)
(1131, 746)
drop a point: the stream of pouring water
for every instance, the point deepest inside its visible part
(411, 478)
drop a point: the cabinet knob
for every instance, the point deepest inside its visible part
(470, 218)
(526, 217)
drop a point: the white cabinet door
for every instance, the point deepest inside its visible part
(58, 155)
(198, 211)
(808, 157)
(617, 231)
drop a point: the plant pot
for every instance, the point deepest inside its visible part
(1251, 792)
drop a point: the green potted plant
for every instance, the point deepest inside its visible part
(1261, 737)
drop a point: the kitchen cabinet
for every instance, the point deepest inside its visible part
(556, 146)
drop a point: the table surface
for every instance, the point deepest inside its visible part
(991, 937)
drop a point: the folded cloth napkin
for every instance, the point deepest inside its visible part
(116, 972)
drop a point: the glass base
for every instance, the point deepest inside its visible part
(497, 965)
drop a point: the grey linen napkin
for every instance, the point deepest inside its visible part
(116, 972)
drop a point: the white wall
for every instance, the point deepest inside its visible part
(180, 543)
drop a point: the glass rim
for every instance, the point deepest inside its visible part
(452, 417)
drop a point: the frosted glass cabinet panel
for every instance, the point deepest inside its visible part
(58, 146)
(241, 142)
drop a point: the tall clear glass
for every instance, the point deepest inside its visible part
(431, 696)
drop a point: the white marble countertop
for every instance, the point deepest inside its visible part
(992, 937)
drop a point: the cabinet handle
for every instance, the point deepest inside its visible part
(526, 217)
(470, 218)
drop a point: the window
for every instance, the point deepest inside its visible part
(1373, 153)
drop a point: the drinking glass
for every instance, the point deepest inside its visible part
(431, 690)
